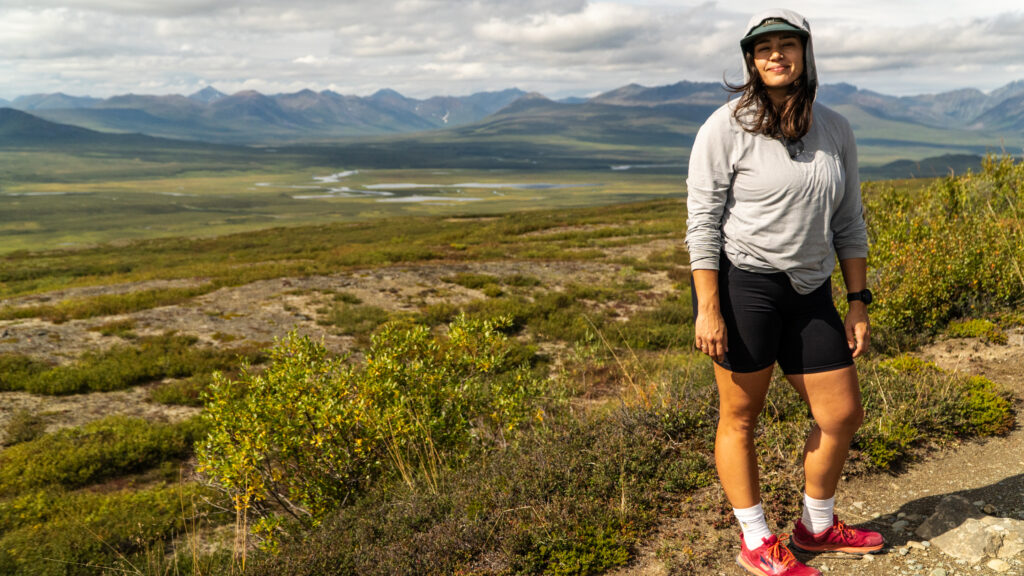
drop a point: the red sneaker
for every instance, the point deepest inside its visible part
(838, 538)
(772, 558)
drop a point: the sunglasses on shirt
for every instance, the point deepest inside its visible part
(794, 147)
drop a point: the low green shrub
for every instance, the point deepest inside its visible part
(886, 440)
(195, 557)
(146, 360)
(951, 250)
(1010, 319)
(107, 448)
(106, 304)
(977, 328)
(120, 328)
(181, 392)
(575, 313)
(625, 290)
(983, 408)
(909, 401)
(57, 533)
(439, 313)
(574, 496)
(561, 316)
(224, 337)
(669, 325)
(312, 432)
(486, 283)
(359, 320)
(674, 257)
(583, 550)
(472, 281)
(566, 316)
(17, 370)
(521, 281)
(552, 315)
(347, 298)
(23, 426)
(679, 276)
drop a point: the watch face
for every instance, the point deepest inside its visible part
(864, 296)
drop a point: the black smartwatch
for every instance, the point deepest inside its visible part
(864, 296)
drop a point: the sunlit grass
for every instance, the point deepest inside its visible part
(47, 213)
(324, 249)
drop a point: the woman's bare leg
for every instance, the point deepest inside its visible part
(834, 398)
(741, 398)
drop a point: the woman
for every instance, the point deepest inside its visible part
(773, 198)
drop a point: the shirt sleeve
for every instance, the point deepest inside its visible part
(850, 236)
(708, 182)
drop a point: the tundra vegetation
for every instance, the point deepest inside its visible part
(526, 431)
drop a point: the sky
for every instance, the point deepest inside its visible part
(425, 48)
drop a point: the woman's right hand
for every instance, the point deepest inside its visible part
(710, 334)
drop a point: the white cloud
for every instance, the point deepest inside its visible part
(385, 45)
(427, 47)
(599, 26)
(460, 70)
(119, 7)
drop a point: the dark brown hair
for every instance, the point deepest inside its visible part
(756, 113)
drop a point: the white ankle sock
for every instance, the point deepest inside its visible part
(818, 514)
(754, 525)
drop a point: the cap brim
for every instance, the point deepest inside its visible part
(768, 29)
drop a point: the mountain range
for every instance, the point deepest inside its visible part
(23, 130)
(650, 127)
(249, 117)
(968, 108)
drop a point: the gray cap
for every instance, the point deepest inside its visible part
(767, 26)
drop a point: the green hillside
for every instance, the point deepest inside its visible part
(936, 167)
(881, 140)
(20, 130)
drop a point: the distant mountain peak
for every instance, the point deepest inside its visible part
(387, 93)
(533, 96)
(528, 101)
(684, 92)
(207, 95)
(249, 94)
(51, 101)
(8, 114)
(21, 127)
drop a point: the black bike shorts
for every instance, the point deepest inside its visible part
(767, 321)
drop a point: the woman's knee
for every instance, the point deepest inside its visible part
(742, 422)
(741, 397)
(843, 421)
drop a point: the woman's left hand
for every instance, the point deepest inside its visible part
(858, 328)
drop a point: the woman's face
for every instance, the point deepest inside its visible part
(779, 59)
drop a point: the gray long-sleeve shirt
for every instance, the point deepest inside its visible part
(769, 212)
